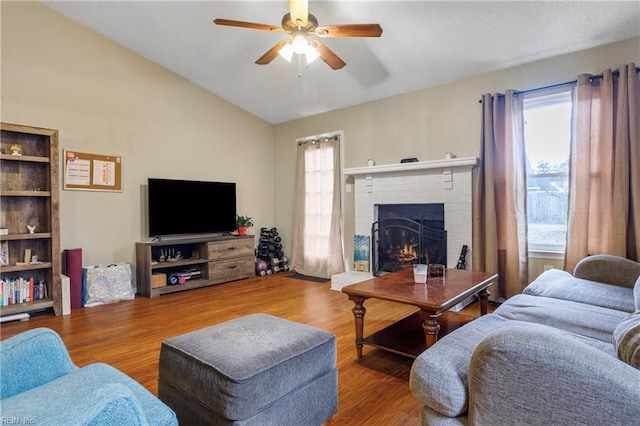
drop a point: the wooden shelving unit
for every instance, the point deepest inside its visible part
(214, 260)
(29, 196)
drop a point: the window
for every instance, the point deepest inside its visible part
(547, 136)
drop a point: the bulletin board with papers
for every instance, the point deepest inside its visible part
(92, 172)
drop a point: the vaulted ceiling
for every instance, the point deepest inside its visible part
(423, 44)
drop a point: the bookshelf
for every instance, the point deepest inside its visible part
(29, 216)
(201, 262)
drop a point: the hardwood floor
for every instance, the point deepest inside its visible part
(127, 335)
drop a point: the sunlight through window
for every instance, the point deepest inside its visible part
(547, 136)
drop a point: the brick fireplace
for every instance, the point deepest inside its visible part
(446, 182)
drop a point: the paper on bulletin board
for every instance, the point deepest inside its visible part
(92, 172)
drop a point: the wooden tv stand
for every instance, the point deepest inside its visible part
(204, 261)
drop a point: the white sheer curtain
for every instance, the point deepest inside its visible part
(317, 230)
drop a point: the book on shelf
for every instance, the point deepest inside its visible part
(21, 290)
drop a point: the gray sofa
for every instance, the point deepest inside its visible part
(565, 352)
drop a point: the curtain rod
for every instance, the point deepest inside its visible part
(322, 139)
(566, 83)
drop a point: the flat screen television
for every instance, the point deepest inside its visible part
(183, 207)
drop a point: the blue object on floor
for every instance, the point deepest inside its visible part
(41, 385)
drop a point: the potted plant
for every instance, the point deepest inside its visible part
(242, 223)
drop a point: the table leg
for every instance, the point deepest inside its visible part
(358, 315)
(431, 329)
(484, 296)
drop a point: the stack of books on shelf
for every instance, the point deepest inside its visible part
(22, 290)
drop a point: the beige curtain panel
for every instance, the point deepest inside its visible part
(500, 196)
(604, 174)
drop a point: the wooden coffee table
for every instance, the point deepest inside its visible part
(413, 334)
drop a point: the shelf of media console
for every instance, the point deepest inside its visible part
(188, 285)
(185, 262)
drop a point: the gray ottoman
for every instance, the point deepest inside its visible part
(254, 370)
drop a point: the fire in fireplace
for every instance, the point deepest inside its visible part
(408, 233)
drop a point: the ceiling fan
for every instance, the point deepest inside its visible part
(301, 26)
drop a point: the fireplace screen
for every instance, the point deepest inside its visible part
(399, 241)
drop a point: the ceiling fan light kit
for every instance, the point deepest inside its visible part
(301, 46)
(301, 25)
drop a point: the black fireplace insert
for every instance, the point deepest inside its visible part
(408, 233)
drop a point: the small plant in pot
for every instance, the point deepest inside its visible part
(242, 223)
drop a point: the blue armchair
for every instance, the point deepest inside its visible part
(39, 384)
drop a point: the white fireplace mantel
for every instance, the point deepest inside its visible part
(418, 165)
(446, 181)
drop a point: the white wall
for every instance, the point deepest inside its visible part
(105, 99)
(426, 123)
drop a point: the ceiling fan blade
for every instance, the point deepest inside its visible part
(299, 11)
(328, 56)
(271, 53)
(242, 24)
(349, 30)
